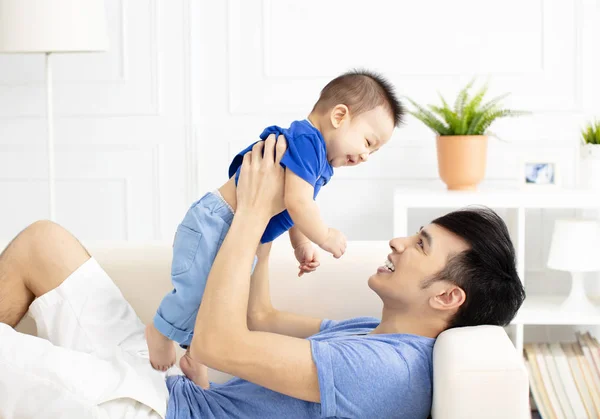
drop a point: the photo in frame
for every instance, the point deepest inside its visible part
(539, 173)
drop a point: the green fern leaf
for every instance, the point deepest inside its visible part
(462, 98)
(429, 119)
(497, 114)
(470, 112)
(493, 103)
(471, 116)
(472, 129)
(591, 134)
(451, 119)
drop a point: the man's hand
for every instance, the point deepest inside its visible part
(335, 243)
(260, 188)
(222, 339)
(308, 257)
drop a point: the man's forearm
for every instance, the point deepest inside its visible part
(259, 301)
(307, 218)
(225, 301)
(262, 316)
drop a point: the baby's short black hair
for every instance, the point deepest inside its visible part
(361, 91)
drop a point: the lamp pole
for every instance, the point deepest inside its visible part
(50, 134)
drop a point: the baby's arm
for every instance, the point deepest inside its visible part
(307, 217)
(304, 251)
(297, 238)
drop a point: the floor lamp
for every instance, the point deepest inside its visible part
(49, 27)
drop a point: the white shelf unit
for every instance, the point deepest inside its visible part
(536, 310)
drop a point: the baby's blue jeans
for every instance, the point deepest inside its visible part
(197, 241)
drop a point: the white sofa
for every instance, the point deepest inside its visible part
(477, 373)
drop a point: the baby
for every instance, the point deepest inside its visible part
(355, 116)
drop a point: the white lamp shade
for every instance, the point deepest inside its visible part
(52, 26)
(575, 246)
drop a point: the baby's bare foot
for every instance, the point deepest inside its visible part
(194, 370)
(161, 348)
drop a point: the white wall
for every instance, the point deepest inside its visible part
(123, 129)
(151, 125)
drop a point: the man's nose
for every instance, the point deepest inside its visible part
(398, 245)
(364, 156)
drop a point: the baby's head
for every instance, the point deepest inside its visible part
(356, 114)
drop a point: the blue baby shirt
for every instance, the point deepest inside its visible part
(306, 156)
(360, 376)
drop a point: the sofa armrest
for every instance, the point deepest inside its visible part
(477, 373)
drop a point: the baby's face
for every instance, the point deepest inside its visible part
(357, 138)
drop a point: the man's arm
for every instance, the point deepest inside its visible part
(222, 339)
(262, 316)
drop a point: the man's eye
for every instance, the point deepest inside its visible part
(368, 143)
(421, 244)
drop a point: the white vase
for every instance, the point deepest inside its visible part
(590, 166)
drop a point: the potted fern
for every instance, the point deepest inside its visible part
(590, 155)
(462, 134)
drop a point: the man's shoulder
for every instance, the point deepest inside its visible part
(354, 322)
(350, 367)
(414, 350)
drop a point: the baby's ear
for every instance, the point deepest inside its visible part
(338, 114)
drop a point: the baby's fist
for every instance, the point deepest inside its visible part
(307, 256)
(335, 243)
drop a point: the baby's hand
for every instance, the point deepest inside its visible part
(307, 256)
(335, 243)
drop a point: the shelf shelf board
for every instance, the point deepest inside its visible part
(545, 310)
(529, 197)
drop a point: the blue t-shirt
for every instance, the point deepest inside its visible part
(306, 156)
(374, 376)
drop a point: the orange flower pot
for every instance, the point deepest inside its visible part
(462, 160)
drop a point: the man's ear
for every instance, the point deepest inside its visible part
(449, 298)
(338, 114)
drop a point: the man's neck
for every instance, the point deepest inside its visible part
(406, 323)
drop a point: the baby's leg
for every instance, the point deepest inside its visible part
(161, 349)
(197, 241)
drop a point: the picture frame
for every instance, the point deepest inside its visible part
(540, 172)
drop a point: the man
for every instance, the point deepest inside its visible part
(458, 271)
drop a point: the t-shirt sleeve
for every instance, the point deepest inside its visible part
(304, 157)
(327, 323)
(360, 380)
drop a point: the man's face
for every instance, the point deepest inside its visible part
(414, 260)
(355, 139)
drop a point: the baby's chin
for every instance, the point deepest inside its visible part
(338, 162)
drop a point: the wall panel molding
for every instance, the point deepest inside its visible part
(140, 94)
(137, 175)
(548, 85)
